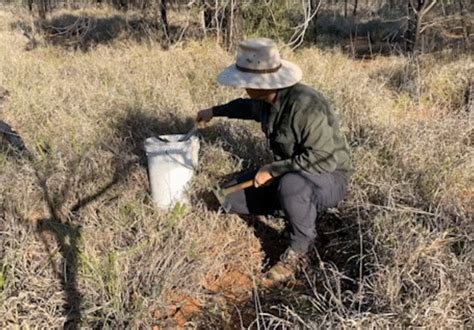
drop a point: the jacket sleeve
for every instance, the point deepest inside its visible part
(315, 140)
(241, 109)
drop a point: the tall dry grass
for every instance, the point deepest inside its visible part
(80, 240)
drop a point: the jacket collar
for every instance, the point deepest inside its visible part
(282, 95)
(275, 113)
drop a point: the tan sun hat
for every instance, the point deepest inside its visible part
(259, 66)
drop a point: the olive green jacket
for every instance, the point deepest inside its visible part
(303, 131)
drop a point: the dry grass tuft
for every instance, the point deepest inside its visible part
(81, 242)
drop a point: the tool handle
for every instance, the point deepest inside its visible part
(238, 187)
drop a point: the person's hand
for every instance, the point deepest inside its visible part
(263, 177)
(203, 117)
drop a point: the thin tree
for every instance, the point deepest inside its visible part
(164, 19)
(235, 24)
(42, 8)
(465, 23)
(354, 12)
(314, 5)
(419, 10)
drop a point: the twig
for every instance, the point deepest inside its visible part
(400, 208)
(298, 37)
(361, 264)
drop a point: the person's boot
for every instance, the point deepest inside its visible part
(291, 261)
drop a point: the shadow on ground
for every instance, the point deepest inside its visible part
(83, 32)
(63, 227)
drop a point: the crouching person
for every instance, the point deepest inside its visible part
(312, 162)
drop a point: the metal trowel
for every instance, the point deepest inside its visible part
(189, 134)
(222, 193)
(186, 137)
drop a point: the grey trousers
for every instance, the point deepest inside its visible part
(301, 196)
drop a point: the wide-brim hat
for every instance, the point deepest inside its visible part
(259, 66)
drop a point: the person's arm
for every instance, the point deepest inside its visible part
(241, 109)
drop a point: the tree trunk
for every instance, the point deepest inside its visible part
(210, 17)
(409, 35)
(312, 25)
(144, 5)
(465, 25)
(164, 19)
(42, 8)
(414, 24)
(417, 41)
(202, 15)
(354, 12)
(235, 24)
(416, 14)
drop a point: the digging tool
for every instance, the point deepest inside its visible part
(221, 193)
(184, 138)
(189, 134)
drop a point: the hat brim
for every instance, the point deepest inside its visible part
(288, 75)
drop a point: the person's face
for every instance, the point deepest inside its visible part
(262, 94)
